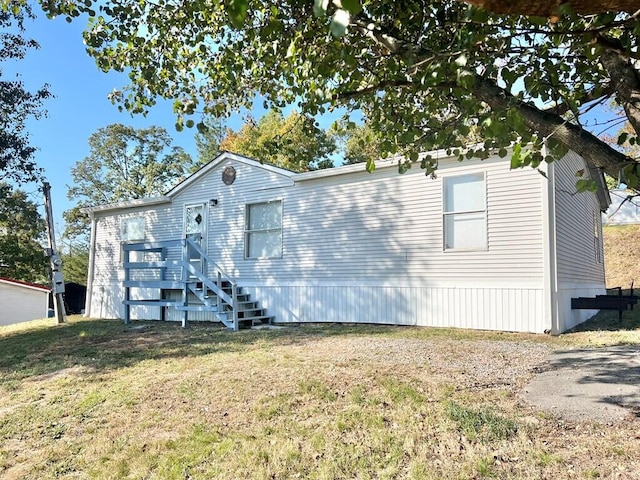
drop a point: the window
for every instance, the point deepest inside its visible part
(596, 238)
(465, 212)
(132, 229)
(263, 230)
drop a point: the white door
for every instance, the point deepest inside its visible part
(195, 229)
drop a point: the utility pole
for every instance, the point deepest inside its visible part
(57, 281)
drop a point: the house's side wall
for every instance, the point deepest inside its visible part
(369, 248)
(579, 250)
(360, 247)
(21, 304)
(107, 291)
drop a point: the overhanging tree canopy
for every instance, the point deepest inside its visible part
(424, 73)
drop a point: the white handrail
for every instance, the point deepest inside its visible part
(191, 244)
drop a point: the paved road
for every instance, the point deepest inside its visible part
(591, 384)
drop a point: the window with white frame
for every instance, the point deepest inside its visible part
(132, 229)
(263, 230)
(465, 212)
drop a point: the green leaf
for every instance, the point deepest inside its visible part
(586, 185)
(237, 11)
(291, 51)
(623, 138)
(461, 61)
(466, 79)
(371, 165)
(352, 6)
(339, 23)
(516, 160)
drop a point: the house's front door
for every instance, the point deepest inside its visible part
(195, 229)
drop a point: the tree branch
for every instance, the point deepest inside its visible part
(548, 8)
(626, 83)
(596, 152)
(372, 89)
(563, 108)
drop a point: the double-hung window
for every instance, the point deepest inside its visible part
(465, 212)
(132, 229)
(263, 230)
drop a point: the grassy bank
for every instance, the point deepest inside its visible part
(621, 254)
(96, 399)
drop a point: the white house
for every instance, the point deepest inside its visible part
(22, 301)
(480, 246)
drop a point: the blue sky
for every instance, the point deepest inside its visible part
(80, 106)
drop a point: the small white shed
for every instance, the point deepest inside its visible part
(22, 301)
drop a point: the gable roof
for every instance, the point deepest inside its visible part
(190, 180)
(222, 157)
(19, 283)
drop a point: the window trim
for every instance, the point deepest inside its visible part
(126, 241)
(125, 220)
(484, 211)
(596, 238)
(247, 233)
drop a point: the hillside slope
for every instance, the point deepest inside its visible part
(621, 254)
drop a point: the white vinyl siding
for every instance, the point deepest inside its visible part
(578, 226)
(491, 308)
(464, 215)
(578, 233)
(263, 230)
(356, 241)
(21, 303)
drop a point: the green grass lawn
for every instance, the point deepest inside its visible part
(97, 399)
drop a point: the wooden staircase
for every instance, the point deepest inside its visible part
(221, 296)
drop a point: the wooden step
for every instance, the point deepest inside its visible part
(254, 312)
(197, 308)
(153, 303)
(162, 284)
(259, 318)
